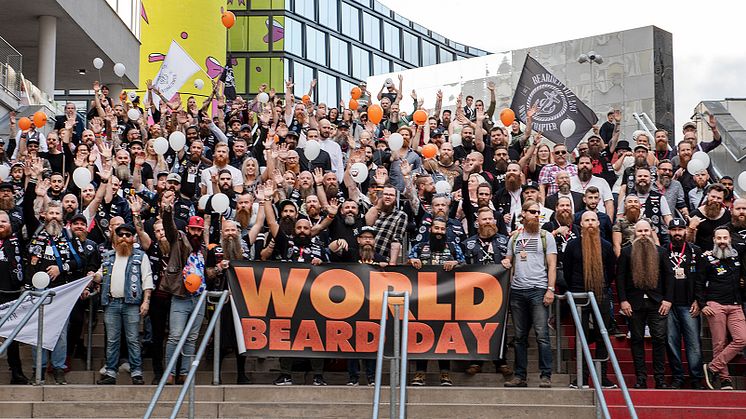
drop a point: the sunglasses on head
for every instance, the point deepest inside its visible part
(125, 234)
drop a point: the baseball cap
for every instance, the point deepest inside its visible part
(436, 132)
(6, 185)
(689, 124)
(365, 229)
(196, 221)
(128, 227)
(173, 177)
(77, 217)
(162, 173)
(245, 127)
(343, 125)
(286, 202)
(643, 146)
(32, 140)
(291, 133)
(530, 185)
(676, 223)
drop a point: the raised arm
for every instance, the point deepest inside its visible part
(167, 215)
(493, 102)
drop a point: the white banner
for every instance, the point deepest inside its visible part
(177, 68)
(55, 314)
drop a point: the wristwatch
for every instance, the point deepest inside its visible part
(550, 289)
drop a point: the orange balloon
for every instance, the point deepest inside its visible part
(419, 117)
(24, 123)
(429, 151)
(229, 19)
(353, 104)
(306, 99)
(192, 283)
(507, 116)
(40, 119)
(375, 114)
(356, 92)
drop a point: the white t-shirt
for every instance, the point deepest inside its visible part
(207, 177)
(603, 187)
(335, 153)
(116, 289)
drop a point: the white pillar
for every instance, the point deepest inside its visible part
(47, 54)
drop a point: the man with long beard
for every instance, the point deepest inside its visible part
(440, 207)
(589, 265)
(79, 228)
(218, 259)
(562, 226)
(533, 252)
(629, 177)
(11, 282)
(599, 154)
(586, 179)
(623, 231)
(652, 204)
(191, 166)
(508, 198)
(446, 163)
(126, 283)
(437, 251)
(737, 225)
(220, 162)
(342, 243)
(563, 190)
(645, 286)
(710, 215)
(8, 204)
(683, 319)
(720, 299)
(670, 188)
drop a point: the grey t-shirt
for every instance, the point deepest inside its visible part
(532, 272)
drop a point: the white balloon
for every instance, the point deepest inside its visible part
(4, 172)
(396, 141)
(695, 166)
(133, 114)
(160, 146)
(312, 150)
(742, 181)
(98, 63)
(455, 140)
(82, 177)
(262, 97)
(220, 203)
(359, 172)
(119, 69)
(132, 95)
(177, 140)
(199, 84)
(202, 203)
(443, 187)
(567, 128)
(703, 157)
(40, 280)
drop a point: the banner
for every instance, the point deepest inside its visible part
(55, 314)
(555, 105)
(177, 68)
(334, 310)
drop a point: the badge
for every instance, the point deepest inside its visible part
(655, 210)
(103, 222)
(679, 273)
(423, 229)
(48, 251)
(470, 245)
(190, 178)
(523, 255)
(2, 254)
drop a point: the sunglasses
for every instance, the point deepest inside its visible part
(532, 211)
(125, 234)
(560, 153)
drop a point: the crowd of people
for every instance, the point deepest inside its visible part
(615, 214)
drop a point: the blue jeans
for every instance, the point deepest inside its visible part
(181, 309)
(353, 368)
(59, 354)
(682, 324)
(116, 314)
(527, 308)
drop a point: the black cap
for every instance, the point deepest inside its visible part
(365, 229)
(623, 145)
(530, 185)
(291, 133)
(136, 141)
(676, 223)
(436, 132)
(286, 202)
(78, 217)
(6, 185)
(343, 125)
(32, 140)
(245, 127)
(128, 227)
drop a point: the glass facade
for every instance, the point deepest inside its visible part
(337, 42)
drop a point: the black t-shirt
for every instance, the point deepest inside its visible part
(706, 228)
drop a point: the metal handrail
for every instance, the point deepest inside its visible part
(89, 336)
(42, 297)
(212, 327)
(585, 351)
(396, 368)
(14, 307)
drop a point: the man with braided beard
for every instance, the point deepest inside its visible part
(645, 285)
(589, 266)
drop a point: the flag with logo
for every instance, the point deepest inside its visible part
(176, 69)
(55, 314)
(558, 109)
(228, 79)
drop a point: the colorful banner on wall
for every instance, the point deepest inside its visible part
(334, 310)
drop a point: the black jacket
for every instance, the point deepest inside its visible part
(572, 265)
(626, 289)
(577, 199)
(720, 281)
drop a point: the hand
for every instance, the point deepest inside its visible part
(416, 263)
(712, 122)
(182, 118)
(96, 125)
(664, 308)
(405, 168)
(167, 200)
(480, 116)
(531, 111)
(214, 178)
(313, 83)
(507, 217)
(85, 294)
(259, 192)
(263, 87)
(318, 175)
(135, 203)
(401, 78)
(315, 261)
(289, 84)
(506, 263)
(707, 311)
(626, 308)
(548, 298)
(148, 84)
(694, 310)
(224, 264)
(272, 92)
(53, 271)
(105, 150)
(491, 86)
(144, 307)
(97, 86)
(42, 188)
(563, 230)
(283, 152)
(596, 129)
(617, 116)
(439, 94)
(333, 207)
(448, 266)
(413, 94)
(139, 161)
(342, 245)
(694, 222)
(277, 177)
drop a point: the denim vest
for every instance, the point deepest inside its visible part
(132, 277)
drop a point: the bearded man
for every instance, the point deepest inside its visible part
(671, 188)
(508, 199)
(589, 265)
(191, 165)
(645, 286)
(720, 299)
(160, 302)
(341, 229)
(585, 179)
(652, 204)
(390, 223)
(710, 215)
(446, 163)
(737, 226)
(220, 162)
(8, 204)
(563, 185)
(11, 281)
(697, 195)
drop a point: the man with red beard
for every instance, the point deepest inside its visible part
(11, 282)
(220, 162)
(645, 286)
(562, 226)
(720, 299)
(707, 217)
(661, 145)
(8, 204)
(623, 231)
(508, 198)
(586, 179)
(737, 225)
(390, 223)
(445, 164)
(589, 265)
(697, 195)
(126, 283)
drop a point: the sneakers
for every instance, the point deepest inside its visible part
(106, 380)
(616, 332)
(445, 379)
(318, 380)
(371, 381)
(516, 382)
(59, 376)
(642, 383)
(284, 380)
(353, 381)
(474, 369)
(545, 382)
(125, 367)
(697, 384)
(607, 384)
(677, 383)
(726, 384)
(574, 384)
(710, 376)
(138, 380)
(419, 379)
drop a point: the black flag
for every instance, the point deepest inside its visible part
(227, 78)
(555, 104)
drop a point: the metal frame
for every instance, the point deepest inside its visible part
(89, 332)
(398, 369)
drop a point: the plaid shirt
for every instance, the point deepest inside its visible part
(391, 228)
(548, 176)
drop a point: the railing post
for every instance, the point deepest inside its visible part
(404, 348)
(379, 355)
(395, 363)
(578, 351)
(558, 334)
(191, 396)
(39, 344)
(89, 337)
(216, 351)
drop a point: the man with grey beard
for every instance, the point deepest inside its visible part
(670, 188)
(720, 299)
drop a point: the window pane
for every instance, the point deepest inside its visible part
(360, 63)
(381, 8)
(399, 67)
(302, 76)
(305, 8)
(293, 37)
(401, 19)
(381, 65)
(328, 90)
(315, 46)
(346, 87)
(445, 56)
(338, 55)
(372, 30)
(391, 39)
(411, 49)
(429, 53)
(328, 13)
(350, 21)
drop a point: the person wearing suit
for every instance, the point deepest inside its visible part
(645, 286)
(563, 183)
